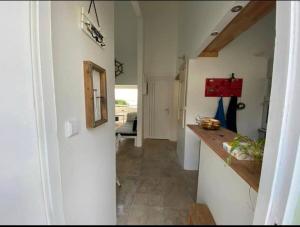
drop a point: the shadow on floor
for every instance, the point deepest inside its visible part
(155, 189)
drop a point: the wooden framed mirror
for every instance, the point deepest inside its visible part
(95, 94)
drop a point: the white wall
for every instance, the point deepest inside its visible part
(126, 42)
(21, 190)
(160, 37)
(160, 51)
(238, 57)
(230, 199)
(277, 182)
(196, 21)
(296, 218)
(87, 159)
(259, 40)
(251, 69)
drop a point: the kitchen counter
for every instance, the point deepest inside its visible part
(229, 191)
(214, 139)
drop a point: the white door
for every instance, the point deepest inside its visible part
(160, 91)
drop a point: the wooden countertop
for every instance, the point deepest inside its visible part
(214, 139)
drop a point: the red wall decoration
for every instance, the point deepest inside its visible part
(223, 87)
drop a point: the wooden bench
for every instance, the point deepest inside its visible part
(199, 214)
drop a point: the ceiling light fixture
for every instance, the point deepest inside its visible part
(236, 9)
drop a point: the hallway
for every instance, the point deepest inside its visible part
(155, 189)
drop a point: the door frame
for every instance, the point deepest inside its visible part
(45, 109)
(140, 75)
(282, 135)
(181, 112)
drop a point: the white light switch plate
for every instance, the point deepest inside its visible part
(71, 128)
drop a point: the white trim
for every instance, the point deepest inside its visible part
(185, 93)
(140, 75)
(151, 103)
(126, 86)
(282, 131)
(294, 193)
(140, 72)
(45, 109)
(39, 109)
(157, 78)
(136, 8)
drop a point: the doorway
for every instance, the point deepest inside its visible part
(159, 107)
(125, 102)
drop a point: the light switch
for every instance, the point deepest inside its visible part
(71, 128)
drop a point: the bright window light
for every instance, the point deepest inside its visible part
(127, 93)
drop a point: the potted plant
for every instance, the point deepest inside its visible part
(249, 147)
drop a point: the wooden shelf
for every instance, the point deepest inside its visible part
(248, 16)
(214, 139)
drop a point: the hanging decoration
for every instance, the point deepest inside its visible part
(89, 27)
(118, 68)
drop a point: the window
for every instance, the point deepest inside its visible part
(125, 102)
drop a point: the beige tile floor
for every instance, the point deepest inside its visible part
(155, 189)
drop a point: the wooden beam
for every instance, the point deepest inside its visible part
(252, 13)
(209, 54)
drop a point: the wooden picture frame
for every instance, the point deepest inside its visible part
(95, 94)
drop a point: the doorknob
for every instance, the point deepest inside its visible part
(167, 109)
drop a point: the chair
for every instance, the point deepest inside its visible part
(128, 130)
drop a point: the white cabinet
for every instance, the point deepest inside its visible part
(230, 199)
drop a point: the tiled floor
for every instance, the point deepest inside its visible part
(155, 189)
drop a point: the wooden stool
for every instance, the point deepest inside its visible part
(199, 214)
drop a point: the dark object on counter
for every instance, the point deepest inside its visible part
(231, 114)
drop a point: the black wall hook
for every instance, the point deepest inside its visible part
(232, 76)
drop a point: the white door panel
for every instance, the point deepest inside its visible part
(160, 91)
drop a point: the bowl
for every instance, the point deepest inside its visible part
(210, 123)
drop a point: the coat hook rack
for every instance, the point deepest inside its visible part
(223, 87)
